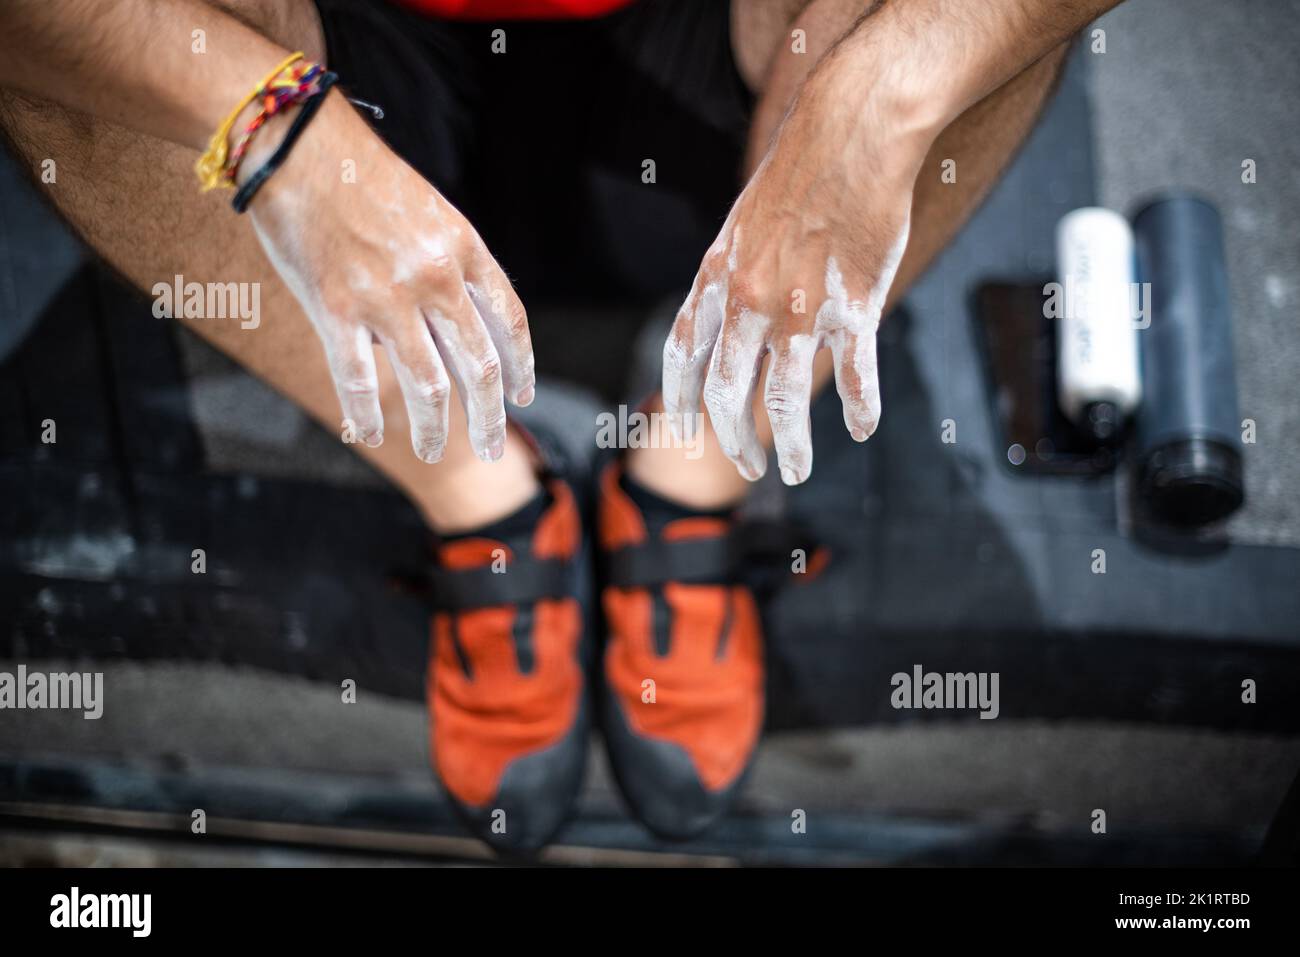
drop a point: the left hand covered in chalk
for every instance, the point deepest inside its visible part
(804, 262)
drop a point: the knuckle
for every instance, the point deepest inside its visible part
(354, 379)
(782, 407)
(743, 289)
(332, 304)
(440, 273)
(465, 238)
(487, 372)
(439, 391)
(431, 389)
(516, 320)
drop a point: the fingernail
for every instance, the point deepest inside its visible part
(789, 476)
(525, 396)
(375, 439)
(859, 435)
(494, 451)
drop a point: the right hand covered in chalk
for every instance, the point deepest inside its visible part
(389, 260)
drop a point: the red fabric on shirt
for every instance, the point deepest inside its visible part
(515, 9)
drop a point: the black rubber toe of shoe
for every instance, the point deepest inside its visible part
(659, 781)
(536, 794)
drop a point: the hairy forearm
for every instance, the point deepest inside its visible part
(137, 63)
(922, 63)
(908, 65)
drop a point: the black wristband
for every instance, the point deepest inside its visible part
(244, 195)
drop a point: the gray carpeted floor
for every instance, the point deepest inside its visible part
(1185, 92)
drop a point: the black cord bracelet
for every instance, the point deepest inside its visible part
(244, 195)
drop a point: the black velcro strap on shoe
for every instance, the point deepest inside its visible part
(757, 553)
(522, 582)
(690, 561)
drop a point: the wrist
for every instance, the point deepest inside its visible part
(311, 165)
(264, 142)
(864, 124)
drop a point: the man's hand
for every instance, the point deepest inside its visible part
(389, 260)
(804, 261)
(385, 259)
(808, 253)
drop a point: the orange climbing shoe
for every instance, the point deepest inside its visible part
(682, 677)
(506, 686)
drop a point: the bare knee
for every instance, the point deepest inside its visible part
(758, 28)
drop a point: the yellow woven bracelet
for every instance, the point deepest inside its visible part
(210, 165)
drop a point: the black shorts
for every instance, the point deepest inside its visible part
(543, 147)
